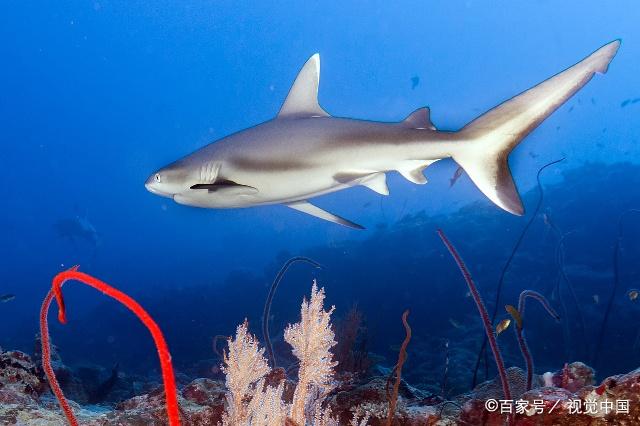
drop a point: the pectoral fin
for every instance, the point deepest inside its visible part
(308, 208)
(229, 187)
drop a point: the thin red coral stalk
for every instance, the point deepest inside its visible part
(483, 314)
(522, 341)
(402, 357)
(161, 345)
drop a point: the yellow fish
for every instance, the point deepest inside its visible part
(502, 326)
(515, 314)
(633, 294)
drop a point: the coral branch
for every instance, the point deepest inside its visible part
(161, 345)
(402, 357)
(522, 342)
(483, 314)
(267, 306)
(311, 339)
(508, 263)
(46, 361)
(244, 365)
(540, 298)
(614, 286)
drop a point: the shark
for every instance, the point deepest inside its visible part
(304, 152)
(77, 228)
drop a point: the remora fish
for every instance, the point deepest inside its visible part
(304, 152)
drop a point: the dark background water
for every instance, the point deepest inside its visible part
(97, 95)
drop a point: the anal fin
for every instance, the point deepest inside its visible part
(306, 207)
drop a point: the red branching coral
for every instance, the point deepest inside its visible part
(402, 357)
(484, 315)
(161, 345)
(522, 341)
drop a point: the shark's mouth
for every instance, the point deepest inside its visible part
(156, 191)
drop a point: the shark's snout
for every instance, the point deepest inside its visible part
(155, 186)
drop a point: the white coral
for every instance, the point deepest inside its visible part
(251, 403)
(244, 365)
(311, 339)
(267, 407)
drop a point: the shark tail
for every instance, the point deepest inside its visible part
(486, 142)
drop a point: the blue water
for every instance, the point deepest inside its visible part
(95, 96)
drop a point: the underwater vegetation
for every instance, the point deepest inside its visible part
(163, 351)
(518, 316)
(267, 306)
(397, 370)
(431, 384)
(505, 268)
(484, 315)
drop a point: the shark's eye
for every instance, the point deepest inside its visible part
(157, 177)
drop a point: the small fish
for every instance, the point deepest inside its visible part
(625, 103)
(454, 323)
(515, 314)
(633, 294)
(7, 298)
(415, 80)
(502, 326)
(596, 299)
(456, 176)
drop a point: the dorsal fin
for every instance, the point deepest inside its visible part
(419, 119)
(302, 100)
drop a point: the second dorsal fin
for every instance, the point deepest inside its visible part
(302, 100)
(419, 119)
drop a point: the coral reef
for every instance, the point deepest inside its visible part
(578, 401)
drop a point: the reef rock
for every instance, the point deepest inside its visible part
(19, 380)
(566, 397)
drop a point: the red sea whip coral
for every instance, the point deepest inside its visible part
(522, 342)
(161, 345)
(483, 314)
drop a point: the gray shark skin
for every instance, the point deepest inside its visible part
(304, 152)
(77, 228)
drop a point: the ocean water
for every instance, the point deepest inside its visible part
(95, 96)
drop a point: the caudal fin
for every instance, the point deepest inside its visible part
(487, 141)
